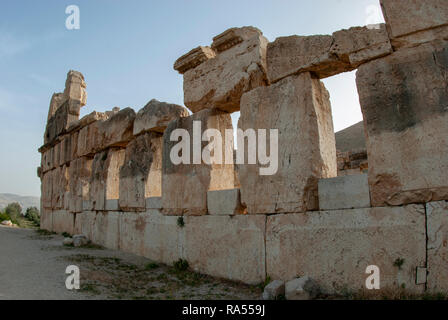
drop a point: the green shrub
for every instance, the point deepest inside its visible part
(14, 211)
(32, 214)
(4, 216)
(181, 265)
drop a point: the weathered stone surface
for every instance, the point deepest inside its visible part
(186, 185)
(85, 224)
(80, 172)
(299, 108)
(47, 190)
(361, 44)
(88, 119)
(106, 230)
(75, 87)
(294, 54)
(415, 39)
(335, 247)
(154, 203)
(351, 191)
(404, 17)
(227, 247)
(61, 121)
(117, 131)
(112, 205)
(163, 239)
(46, 219)
(105, 179)
(193, 58)
(421, 274)
(141, 173)
(273, 290)
(67, 242)
(303, 288)
(89, 139)
(156, 115)
(220, 82)
(233, 36)
(60, 187)
(63, 221)
(57, 100)
(437, 228)
(404, 103)
(132, 230)
(224, 202)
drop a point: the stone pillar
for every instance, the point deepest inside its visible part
(299, 108)
(185, 185)
(404, 101)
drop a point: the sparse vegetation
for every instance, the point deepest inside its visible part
(181, 265)
(180, 222)
(399, 263)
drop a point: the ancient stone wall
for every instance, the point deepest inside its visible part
(323, 213)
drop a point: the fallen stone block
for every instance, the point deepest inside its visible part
(303, 288)
(437, 229)
(67, 242)
(227, 247)
(404, 17)
(404, 103)
(224, 202)
(335, 247)
(80, 240)
(186, 184)
(298, 107)
(156, 115)
(193, 58)
(274, 290)
(240, 66)
(141, 173)
(347, 192)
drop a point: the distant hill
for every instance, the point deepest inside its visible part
(351, 138)
(25, 202)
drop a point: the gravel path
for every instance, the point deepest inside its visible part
(32, 266)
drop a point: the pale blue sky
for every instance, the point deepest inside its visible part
(126, 50)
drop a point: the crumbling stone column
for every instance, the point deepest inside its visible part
(404, 101)
(185, 185)
(299, 108)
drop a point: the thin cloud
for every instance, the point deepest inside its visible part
(11, 44)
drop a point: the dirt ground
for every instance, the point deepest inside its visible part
(33, 264)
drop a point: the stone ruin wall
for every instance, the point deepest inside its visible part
(108, 175)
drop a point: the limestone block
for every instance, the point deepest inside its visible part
(220, 82)
(89, 139)
(351, 191)
(87, 205)
(156, 115)
(75, 87)
(404, 103)
(57, 100)
(80, 240)
(361, 44)
(421, 275)
(224, 202)
(80, 172)
(112, 205)
(299, 108)
(154, 203)
(46, 160)
(335, 247)
(105, 178)
(437, 228)
(106, 231)
(294, 54)
(132, 229)
(85, 224)
(303, 288)
(47, 189)
(163, 239)
(227, 247)
(46, 219)
(63, 221)
(61, 121)
(273, 290)
(185, 186)
(415, 39)
(193, 58)
(141, 173)
(404, 17)
(60, 182)
(116, 131)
